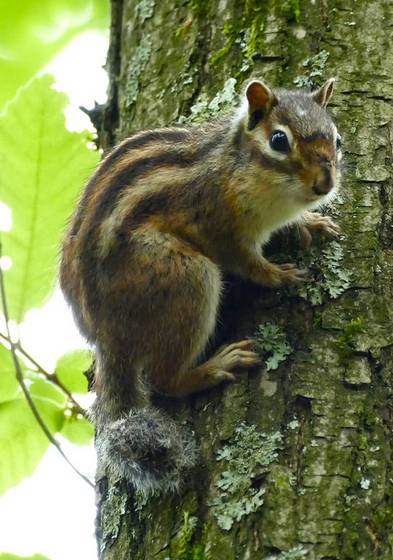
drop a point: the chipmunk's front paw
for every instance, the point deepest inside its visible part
(314, 221)
(324, 224)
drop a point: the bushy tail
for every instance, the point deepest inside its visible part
(134, 440)
(146, 448)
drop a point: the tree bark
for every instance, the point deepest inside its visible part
(295, 462)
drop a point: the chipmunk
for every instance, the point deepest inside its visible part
(165, 216)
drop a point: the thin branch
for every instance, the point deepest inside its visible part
(21, 381)
(52, 377)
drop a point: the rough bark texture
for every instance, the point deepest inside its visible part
(305, 447)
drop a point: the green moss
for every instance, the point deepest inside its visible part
(352, 541)
(354, 535)
(272, 345)
(317, 320)
(296, 553)
(247, 458)
(245, 32)
(291, 10)
(279, 522)
(185, 549)
(315, 69)
(200, 7)
(346, 342)
(383, 517)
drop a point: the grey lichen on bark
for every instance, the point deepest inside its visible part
(323, 486)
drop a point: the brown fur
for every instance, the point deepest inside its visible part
(165, 215)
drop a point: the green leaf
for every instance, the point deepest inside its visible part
(70, 368)
(46, 391)
(32, 32)
(8, 556)
(9, 387)
(22, 441)
(43, 167)
(78, 430)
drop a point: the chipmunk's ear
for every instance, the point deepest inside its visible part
(323, 94)
(260, 100)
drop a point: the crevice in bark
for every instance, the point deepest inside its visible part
(109, 120)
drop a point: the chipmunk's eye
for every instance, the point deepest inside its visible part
(279, 141)
(338, 141)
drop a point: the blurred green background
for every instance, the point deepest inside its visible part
(43, 167)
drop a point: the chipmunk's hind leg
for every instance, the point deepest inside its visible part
(184, 314)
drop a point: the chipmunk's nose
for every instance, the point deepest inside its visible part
(323, 182)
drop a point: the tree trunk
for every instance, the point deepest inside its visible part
(295, 462)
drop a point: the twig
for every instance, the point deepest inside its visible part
(52, 377)
(21, 381)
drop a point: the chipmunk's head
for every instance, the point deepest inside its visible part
(294, 136)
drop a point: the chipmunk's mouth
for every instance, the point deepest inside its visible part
(322, 187)
(319, 192)
(314, 196)
(317, 198)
